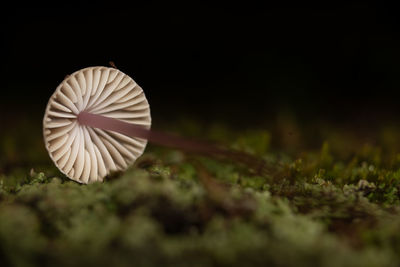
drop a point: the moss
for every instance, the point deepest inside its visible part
(329, 203)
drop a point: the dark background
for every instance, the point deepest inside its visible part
(328, 62)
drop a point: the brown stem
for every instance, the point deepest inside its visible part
(159, 138)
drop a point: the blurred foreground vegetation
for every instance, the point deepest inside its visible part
(330, 198)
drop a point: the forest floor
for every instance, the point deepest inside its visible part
(330, 197)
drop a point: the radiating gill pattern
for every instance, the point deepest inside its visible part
(86, 154)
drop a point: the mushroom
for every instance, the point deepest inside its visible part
(84, 153)
(98, 121)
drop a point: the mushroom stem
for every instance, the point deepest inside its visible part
(138, 131)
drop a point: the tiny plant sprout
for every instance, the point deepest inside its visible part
(98, 121)
(87, 154)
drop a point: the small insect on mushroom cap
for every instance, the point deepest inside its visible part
(87, 154)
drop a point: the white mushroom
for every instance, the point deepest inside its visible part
(87, 154)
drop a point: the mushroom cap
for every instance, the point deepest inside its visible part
(86, 154)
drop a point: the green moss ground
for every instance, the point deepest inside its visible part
(330, 198)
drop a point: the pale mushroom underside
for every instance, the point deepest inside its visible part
(87, 154)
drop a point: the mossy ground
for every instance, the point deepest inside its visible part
(330, 198)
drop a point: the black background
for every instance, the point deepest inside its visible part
(335, 62)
